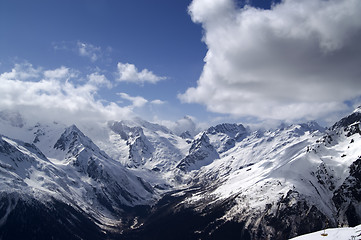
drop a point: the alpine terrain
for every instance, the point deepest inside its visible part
(132, 179)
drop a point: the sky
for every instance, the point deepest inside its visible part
(258, 62)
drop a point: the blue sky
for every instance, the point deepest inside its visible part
(214, 60)
(156, 35)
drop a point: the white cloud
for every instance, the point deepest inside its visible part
(136, 101)
(59, 73)
(24, 71)
(187, 123)
(99, 80)
(88, 50)
(55, 96)
(301, 59)
(139, 102)
(158, 102)
(129, 73)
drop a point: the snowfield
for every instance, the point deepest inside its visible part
(333, 234)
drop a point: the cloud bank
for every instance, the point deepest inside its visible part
(298, 60)
(57, 94)
(66, 95)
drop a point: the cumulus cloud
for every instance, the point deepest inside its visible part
(137, 101)
(158, 102)
(129, 73)
(59, 73)
(297, 60)
(55, 95)
(99, 80)
(24, 71)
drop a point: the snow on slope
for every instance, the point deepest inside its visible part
(293, 172)
(201, 153)
(77, 173)
(253, 161)
(296, 173)
(148, 150)
(22, 165)
(224, 136)
(333, 234)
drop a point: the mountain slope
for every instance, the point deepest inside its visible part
(148, 150)
(95, 189)
(200, 154)
(270, 185)
(30, 204)
(128, 179)
(30, 218)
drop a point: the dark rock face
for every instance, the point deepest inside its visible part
(186, 135)
(171, 220)
(348, 121)
(125, 131)
(32, 219)
(347, 197)
(6, 148)
(325, 176)
(201, 153)
(69, 138)
(293, 217)
(227, 128)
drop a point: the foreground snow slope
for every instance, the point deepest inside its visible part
(333, 234)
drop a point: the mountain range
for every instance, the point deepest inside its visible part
(132, 179)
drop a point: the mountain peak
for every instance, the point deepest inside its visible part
(227, 128)
(72, 137)
(357, 110)
(125, 131)
(73, 128)
(200, 154)
(345, 122)
(312, 126)
(186, 135)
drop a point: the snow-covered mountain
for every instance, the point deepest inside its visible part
(131, 178)
(75, 173)
(269, 185)
(201, 153)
